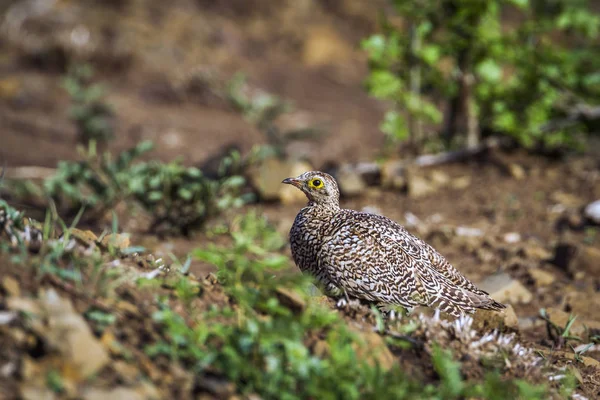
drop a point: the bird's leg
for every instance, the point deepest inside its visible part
(345, 300)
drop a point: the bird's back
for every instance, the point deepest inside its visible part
(375, 258)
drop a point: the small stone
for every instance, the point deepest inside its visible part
(374, 350)
(516, 171)
(418, 186)
(586, 260)
(440, 178)
(349, 181)
(29, 392)
(541, 277)
(288, 194)
(535, 252)
(504, 320)
(86, 238)
(127, 373)
(11, 286)
(119, 241)
(592, 211)
(69, 333)
(461, 183)
(512, 237)
(393, 175)
(505, 289)
(466, 231)
(290, 299)
(566, 199)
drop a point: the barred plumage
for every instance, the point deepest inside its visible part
(370, 257)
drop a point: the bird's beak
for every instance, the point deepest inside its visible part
(292, 181)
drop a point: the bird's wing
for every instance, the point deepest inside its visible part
(442, 265)
(395, 266)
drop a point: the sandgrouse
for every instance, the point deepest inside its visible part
(358, 255)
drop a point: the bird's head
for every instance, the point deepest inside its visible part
(319, 187)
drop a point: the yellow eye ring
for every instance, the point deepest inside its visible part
(316, 183)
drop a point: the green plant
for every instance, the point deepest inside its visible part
(92, 115)
(178, 198)
(96, 182)
(492, 76)
(182, 198)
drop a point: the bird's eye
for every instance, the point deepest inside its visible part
(316, 183)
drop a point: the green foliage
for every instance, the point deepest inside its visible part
(527, 79)
(54, 381)
(177, 197)
(93, 117)
(96, 182)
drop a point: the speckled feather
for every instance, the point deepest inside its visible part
(371, 257)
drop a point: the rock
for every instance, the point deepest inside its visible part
(461, 183)
(516, 171)
(266, 179)
(419, 186)
(586, 261)
(580, 327)
(592, 211)
(566, 199)
(118, 241)
(85, 238)
(505, 289)
(374, 350)
(393, 175)
(527, 323)
(69, 333)
(288, 194)
(505, 320)
(290, 299)
(11, 286)
(349, 180)
(541, 277)
(29, 392)
(536, 252)
(512, 237)
(465, 231)
(127, 373)
(439, 178)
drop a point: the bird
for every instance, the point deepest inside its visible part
(360, 256)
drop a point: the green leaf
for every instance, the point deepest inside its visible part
(489, 71)
(395, 126)
(384, 84)
(430, 54)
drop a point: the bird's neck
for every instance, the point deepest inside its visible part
(328, 206)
